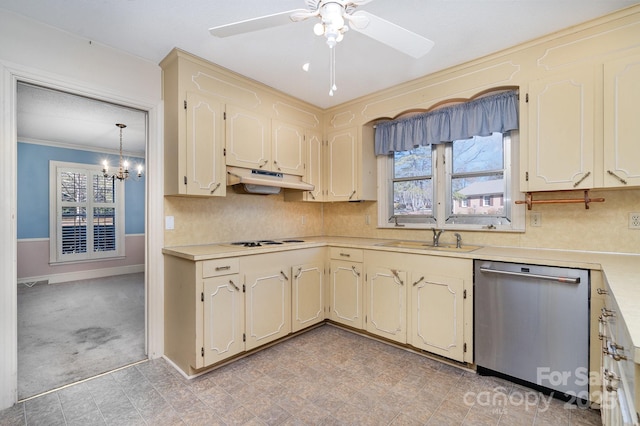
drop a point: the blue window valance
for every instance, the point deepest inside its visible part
(480, 117)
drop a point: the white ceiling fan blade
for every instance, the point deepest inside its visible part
(394, 36)
(255, 24)
(357, 21)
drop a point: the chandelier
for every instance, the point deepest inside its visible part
(123, 165)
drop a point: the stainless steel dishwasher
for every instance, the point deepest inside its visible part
(531, 325)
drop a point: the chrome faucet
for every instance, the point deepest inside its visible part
(458, 240)
(436, 236)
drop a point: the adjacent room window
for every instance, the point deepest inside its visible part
(466, 183)
(87, 213)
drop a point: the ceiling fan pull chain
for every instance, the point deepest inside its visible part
(332, 70)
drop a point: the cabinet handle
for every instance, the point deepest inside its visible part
(312, 196)
(264, 163)
(352, 194)
(345, 255)
(215, 188)
(395, 274)
(354, 271)
(617, 177)
(275, 163)
(233, 285)
(601, 291)
(614, 354)
(607, 313)
(223, 268)
(285, 277)
(298, 273)
(586, 175)
(418, 282)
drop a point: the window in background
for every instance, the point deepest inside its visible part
(87, 217)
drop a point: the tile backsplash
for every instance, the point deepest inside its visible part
(602, 227)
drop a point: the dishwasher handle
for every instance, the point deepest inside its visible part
(567, 280)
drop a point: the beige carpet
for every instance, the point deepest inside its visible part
(75, 330)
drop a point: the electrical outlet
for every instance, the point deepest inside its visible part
(367, 219)
(536, 219)
(634, 220)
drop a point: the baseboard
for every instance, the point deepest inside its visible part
(84, 275)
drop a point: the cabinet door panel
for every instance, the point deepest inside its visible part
(288, 148)
(223, 318)
(206, 173)
(248, 139)
(342, 163)
(621, 124)
(307, 295)
(386, 303)
(268, 307)
(313, 171)
(437, 317)
(346, 293)
(561, 131)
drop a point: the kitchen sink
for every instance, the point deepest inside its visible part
(420, 245)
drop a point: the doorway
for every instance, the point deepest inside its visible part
(81, 312)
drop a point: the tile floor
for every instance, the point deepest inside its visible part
(327, 376)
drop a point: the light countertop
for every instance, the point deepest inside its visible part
(620, 271)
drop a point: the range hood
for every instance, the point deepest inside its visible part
(264, 182)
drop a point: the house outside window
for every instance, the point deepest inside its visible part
(87, 214)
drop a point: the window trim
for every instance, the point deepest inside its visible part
(55, 233)
(440, 182)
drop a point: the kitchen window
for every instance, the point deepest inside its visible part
(462, 184)
(87, 214)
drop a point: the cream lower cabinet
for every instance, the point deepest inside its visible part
(268, 305)
(307, 295)
(441, 306)
(386, 296)
(620, 374)
(346, 290)
(203, 312)
(223, 318)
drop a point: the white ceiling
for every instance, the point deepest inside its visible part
(461, 29)
(63, 119)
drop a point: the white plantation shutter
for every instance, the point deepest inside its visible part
(87, 217)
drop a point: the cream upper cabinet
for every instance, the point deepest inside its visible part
(256, 142)
(622, 123)
(561, 132)
(248, 139)
(307, 295)
(314, 170)
(350, 167)
(288, 148)
(205, 172)
(193, 134)
(346, 292)
(386, 300)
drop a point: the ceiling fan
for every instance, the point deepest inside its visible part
(334, 16)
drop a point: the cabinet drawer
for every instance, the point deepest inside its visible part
(217, 267)
(353, 255)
